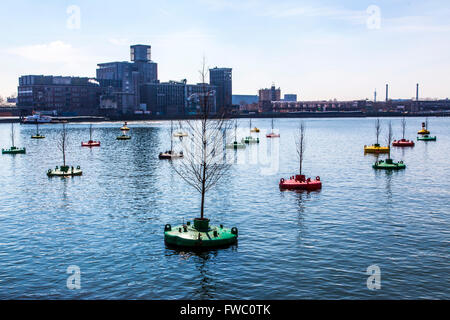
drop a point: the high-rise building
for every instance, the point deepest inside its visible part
(65, 95)
(266, 96)
(122, 80)
(221, 78)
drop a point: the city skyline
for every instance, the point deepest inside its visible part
(317, 50)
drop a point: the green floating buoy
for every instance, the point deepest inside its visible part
(65, 171)
(389, 164)
(235, 145)
(14, 150)
(426, 138)
(200, 235)
(250, 139)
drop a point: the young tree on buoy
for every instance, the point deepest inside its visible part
(62, 143)
(202, 168)
(203, 165)
(389, 164)
(403, 142)
(300, 142)
(299, 181)
(376, 148)
(64, 170)
(378, 130)
(13, 149)
(389, 138)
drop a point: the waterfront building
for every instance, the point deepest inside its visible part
(290, 97)
(240, 99)
(266, 96)
(175, 98)
(122, 80)
(319, 106)
(221, 78)
(58, 94)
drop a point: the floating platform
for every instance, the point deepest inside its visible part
(200, 235)
(38, 136)
(272, 135)
(65, 171)
(180, 134)
(250, 139)
(169, 155)
(376, 148)
(403, 143)
(389, 164)
(123, 137)
(235, 145)
(125, 127)
(91, 144)
(14, 150)
(299, 182)
(423, 131)
(426, 138)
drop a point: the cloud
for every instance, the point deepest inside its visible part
(280, 10)
(415, 24)
(56, 57)
(352, 16)
(57, 52)
(119, 41)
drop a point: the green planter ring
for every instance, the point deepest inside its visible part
(14, 150)
(388, 164)
(426, 138)
(200, 235)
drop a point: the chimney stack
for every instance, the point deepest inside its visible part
(417, 92)
(387, 92)
(375, 96)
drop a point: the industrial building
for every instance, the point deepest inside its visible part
(121, 81)
(57, 94)
(266, 96)
(176, 97)
(221, 78)
(124, 88)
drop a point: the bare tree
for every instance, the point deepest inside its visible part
(62, 143)
(403, 127)
(378, 130)
(389, 138)
(12, 135)
(203, 164)
(300, 141)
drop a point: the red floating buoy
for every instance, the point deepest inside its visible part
(91, 143)
(403, 143)
(299, 182)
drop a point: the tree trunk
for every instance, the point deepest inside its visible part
(202, 210)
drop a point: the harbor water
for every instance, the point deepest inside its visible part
(109, 222)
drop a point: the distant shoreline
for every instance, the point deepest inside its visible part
(303, 115)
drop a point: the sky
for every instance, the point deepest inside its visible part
(319, 50)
